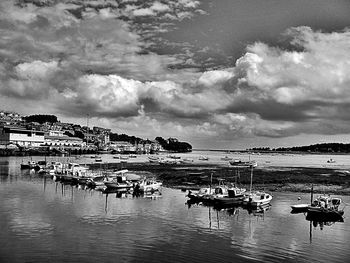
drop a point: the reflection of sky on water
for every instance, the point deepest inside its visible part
(78, 220)
(25, 218)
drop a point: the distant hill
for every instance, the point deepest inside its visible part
(319, 148)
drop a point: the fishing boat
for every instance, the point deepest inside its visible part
(208, 194)
(119, 183)
(235, 196)
(325, 208)
(118, 180)
(257, 198)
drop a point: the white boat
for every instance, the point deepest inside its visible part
(256, 198)
(153, 159)
(203, 158)
(148, 185)
(331, 161)
(239, 163)
(186, 161)
(119, 181)
(168, 161)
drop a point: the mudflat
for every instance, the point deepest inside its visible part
(296, 179)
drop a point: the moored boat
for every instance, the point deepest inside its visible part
(148, 185)
(203, 158)
(209, 194)
(235, 196)
(256, 199)
(325, 208)
(226, 158)
(239, 163)
(299, 208)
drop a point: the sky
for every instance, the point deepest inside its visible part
(224, 74)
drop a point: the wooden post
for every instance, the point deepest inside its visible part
(312, 193)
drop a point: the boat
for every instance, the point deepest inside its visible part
(98, 159)
(104, 151)
(153, 159)
(173, 156)
(124, 159)
(235, 196)
(239, 163)
(119, 183)
(256, 198)
(203, 158)
(148, 185)
(97, 181)
(226, 158)
(299, 208)
(186, 161)
(325, 208)
(167, 161)
(330, 161)
(208, 194)
(30, 165)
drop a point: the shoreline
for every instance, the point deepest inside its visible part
(272, 179)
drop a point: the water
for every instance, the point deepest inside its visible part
(45, 221)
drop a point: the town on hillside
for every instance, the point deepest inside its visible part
(44, 134)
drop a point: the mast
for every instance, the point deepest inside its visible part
(251, 179)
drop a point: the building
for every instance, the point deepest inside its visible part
(57, 140)
(63, 142)
(20, 136)
(122, 146)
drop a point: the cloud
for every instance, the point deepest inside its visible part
(89, 57)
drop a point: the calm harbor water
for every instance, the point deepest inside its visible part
(46, 221)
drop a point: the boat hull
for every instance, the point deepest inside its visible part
(320, 214)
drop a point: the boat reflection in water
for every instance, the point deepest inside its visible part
(233, 209)
(122, 194)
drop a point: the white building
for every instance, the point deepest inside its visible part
(63, 142)
(21, 136)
